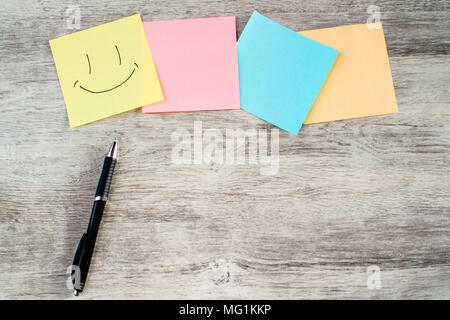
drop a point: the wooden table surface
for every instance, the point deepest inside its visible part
(348, 195)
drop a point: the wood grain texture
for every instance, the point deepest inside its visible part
(348, 194)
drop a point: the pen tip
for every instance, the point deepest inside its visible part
(114, 149)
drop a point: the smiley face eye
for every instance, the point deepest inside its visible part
(118, 53)
(90, 69)
(89, 63)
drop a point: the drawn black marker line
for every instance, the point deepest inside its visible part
(89, 63)
(118, 53)
(91, 91)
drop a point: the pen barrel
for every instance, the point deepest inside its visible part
(91, 237)
(101, 195)
(104, 183)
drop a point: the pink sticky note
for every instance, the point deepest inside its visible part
(196, 60)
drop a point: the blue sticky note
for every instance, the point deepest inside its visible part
(280, 72)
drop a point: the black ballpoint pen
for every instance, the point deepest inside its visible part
(85, 249)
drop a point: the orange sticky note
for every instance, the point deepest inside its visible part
(360, 81)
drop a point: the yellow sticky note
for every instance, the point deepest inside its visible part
(106, 70)
(360, 81)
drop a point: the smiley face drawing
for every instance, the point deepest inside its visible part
(106, 70)
(116, 86)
